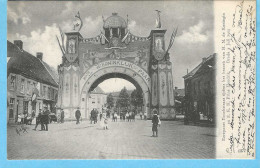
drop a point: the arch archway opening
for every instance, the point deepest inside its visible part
(97, 99)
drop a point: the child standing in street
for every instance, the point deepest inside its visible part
(155, 122)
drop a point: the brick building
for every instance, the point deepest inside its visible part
(31, 83)
(200, 90)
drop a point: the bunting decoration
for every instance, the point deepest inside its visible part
(172, 40)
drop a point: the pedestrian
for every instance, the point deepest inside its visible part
(22, 118)
(19, 119)
(45, 118)
(92, 115)
(62, 116)
(33, 117)
(105, 123)
(96, 116)
(141, 115)
(127, 116)
(100, 116)
(155, 122)
(145, 115)
(159, 121)
(77, 115)
(115, 116)
(38, 121)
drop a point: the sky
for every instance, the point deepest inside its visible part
(36, 24)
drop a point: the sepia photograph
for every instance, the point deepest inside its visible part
(130, 80)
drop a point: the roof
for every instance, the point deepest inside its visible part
(116, 94)
(24, 63)
(97, 90)
(115, 21)
(52, 72)
(206, 62)
(179, 92)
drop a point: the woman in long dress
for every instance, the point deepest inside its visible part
(102, 121)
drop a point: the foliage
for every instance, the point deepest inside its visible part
(137, 98)
(110, 101)
(124, 99)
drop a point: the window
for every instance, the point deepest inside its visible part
(49, 93)
(11, 108)
(28, 87)
(34, 85)
(12, 82)
(98, 100)
(39, 106)
(93, 100)
(194, 88)
(199, 87)
(52, 93)
(22, 86)
(44, 91)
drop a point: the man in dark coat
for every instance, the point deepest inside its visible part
(38, 121)
(92, 116)
(62, 116)
(77, 115)
(155, 122)
(45, 118)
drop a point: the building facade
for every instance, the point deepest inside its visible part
(200, 91)
(179, 95)
(97, 100)
(31, 84)
(115, 52)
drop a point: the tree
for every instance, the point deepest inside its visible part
(110, 101)
(124, 99)
(137, 98)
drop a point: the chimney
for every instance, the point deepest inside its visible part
(204, 59)
(19, 44)
(39, 55)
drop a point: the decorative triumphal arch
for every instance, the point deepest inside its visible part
(115, 52)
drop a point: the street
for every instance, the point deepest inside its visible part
(123, 140)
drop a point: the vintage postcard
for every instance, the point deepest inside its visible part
(126, 80)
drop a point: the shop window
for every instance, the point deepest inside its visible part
(22, 85)
(11, 108)
(12, 82)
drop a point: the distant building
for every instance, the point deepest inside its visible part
(97, 99)
(31, 83)
(115, 96)
(200, 85)
(179, 95)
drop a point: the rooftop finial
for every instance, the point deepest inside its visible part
(158, 20)
(77, 23)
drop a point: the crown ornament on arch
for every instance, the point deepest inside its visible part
(77, 23)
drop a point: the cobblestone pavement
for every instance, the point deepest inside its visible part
(123, 140)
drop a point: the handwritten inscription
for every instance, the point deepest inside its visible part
(238, 57)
